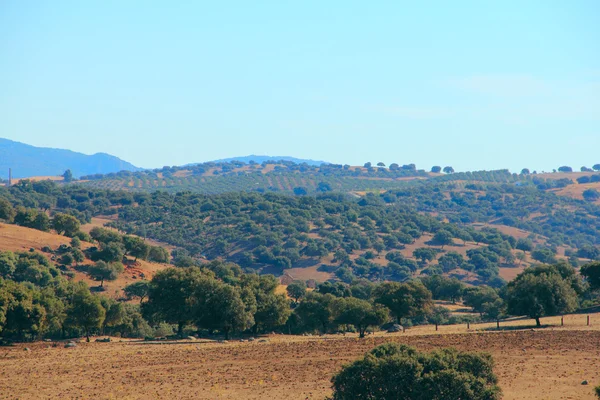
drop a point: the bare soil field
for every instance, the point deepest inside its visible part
(548, 363)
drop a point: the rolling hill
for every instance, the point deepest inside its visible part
(261, 159)
(26, 161)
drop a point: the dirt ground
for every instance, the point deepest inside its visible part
(548, 363)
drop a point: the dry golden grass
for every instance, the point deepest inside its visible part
(576, 190)
(18, 238)
(545, 363)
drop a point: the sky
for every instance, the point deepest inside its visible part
(471, 84)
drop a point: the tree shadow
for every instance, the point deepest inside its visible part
(515, 328)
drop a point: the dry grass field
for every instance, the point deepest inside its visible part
(548, 363)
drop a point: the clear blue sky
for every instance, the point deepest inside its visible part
(473, 84)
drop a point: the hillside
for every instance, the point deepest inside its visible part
(27, 161)
(479, 232)
(261, 159)
(21, 239)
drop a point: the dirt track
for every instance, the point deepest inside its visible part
(530, 365)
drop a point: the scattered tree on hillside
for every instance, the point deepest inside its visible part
(367, 165)
(448, 170)
(158, 254)
(442, 238)
(591, 194)
(102, 271)
(135, 247)
(7, 212)
(65, 224)
(596, 167)
(137, 289)
(424, 254)
(380, 164)
(525, 171)
(436, 169)
(397, 371)
(565, 168)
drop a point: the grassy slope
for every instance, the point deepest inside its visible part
(18, 238)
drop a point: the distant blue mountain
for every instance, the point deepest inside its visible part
(261, 159)
(27, 161)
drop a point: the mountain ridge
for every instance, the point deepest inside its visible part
(261, 158)
(26, 161)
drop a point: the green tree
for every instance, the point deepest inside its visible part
(394, 371)
(538, 295)
(7, 212)
(65, 224)
(424, 254)
(442, 238)
(296, 290)
(85, 311)
(404, 300)
(436, 169)
(137, 289)
(172, 292)
(591, 272)
(315, 311)
(78, 256)
(135, 247)
(591, 194)
(102, 271)
(76, 242)
(448, 170)
(68, 176)
(272, 310)
(476, 297)
(360, 313)
(158, 254)
(222, 309)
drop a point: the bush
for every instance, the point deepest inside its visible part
(164, 330)
(394, 371)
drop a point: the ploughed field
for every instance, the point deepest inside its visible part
(548, 363)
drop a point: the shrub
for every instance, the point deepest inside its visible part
(393, 371)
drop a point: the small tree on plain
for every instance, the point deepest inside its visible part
(394, 371)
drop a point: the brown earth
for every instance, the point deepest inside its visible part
(548, 363)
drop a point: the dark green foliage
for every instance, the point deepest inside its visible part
(360, 313)
(591, 272)
(541, 291)
(85, 312)
(404, 300)
(65, 224)
(138, 290)
(102, 271)
(393, 371)
(296, 290)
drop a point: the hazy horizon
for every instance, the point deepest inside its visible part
(472, 85)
